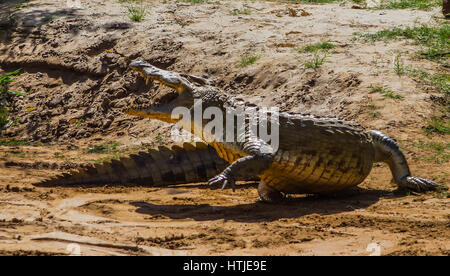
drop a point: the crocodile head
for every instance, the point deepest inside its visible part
(188, 89)
(161, 107)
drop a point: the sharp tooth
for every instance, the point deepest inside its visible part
(147, 80)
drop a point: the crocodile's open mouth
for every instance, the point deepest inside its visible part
(162, 104)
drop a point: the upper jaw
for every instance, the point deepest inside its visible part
(168, 78)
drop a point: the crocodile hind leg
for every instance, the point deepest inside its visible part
(387, 150)
(269, 194)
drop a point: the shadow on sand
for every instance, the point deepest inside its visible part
(291, 207)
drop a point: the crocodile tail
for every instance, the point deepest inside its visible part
(189, 163)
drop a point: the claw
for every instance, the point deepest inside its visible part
(223, 179)
(421, 184)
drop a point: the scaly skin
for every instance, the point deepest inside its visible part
(315, 155)
(190, 163)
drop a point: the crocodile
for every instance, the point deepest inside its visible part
(315, 155)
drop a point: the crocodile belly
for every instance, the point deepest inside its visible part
(309, 171)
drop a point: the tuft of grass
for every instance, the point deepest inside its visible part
(437, 152)
(136, 12)
(59, 155)
(79, 122)
(244, 10)
(386, 91)
(19, 154)
(434, 39)
(316, 61)
(14, 142)
(3, 117)
(399, 67)
(315, 1)
(194, 1)
(411, 4)
(247, 60)
(437, 125)
(159, 138)
(374, 114)
(325, 45)
(391, 95)
(439, 81)
(7, 96)
(108, 148)
(442, 193)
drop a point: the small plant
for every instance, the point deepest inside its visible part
(7, 96)
(247, 60)
(437, 125)
(399, 67)
(14, 142)
(195, 1)
(79, 122)
(440, 81)
(136, 13)
(108, 148)
(245, 11)
(315, 47)
(411, 4)
(433, 38)
(159, 138)
(58, 155)
(442, 193)
(374, 114)
(19, 154)
(385, 91)
(316, 61)
(391, 95)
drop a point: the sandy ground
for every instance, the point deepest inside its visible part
(75, 73)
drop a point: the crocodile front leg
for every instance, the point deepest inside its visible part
(260, 158)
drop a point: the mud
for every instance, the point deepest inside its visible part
(75, 74)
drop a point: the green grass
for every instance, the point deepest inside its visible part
(194, 1)
(392, 95)
(433, 39)
(438, 152)
(247, 60)
(325, 45)
(3, 116)
(442, 193)
(6, 96)
(374, 114)
(386, 91)
(244, 10)
(440, 81)
(437, 125)
(315, 1)
(137, 12)
(399, 66)
(411, 4)
(316, 61)
(14, 142)
(108, 148)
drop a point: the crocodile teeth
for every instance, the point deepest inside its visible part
(147, 80)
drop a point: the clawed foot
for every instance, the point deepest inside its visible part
(421, 184)
(224, 180)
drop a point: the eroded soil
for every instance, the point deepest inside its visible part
(75, 73)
